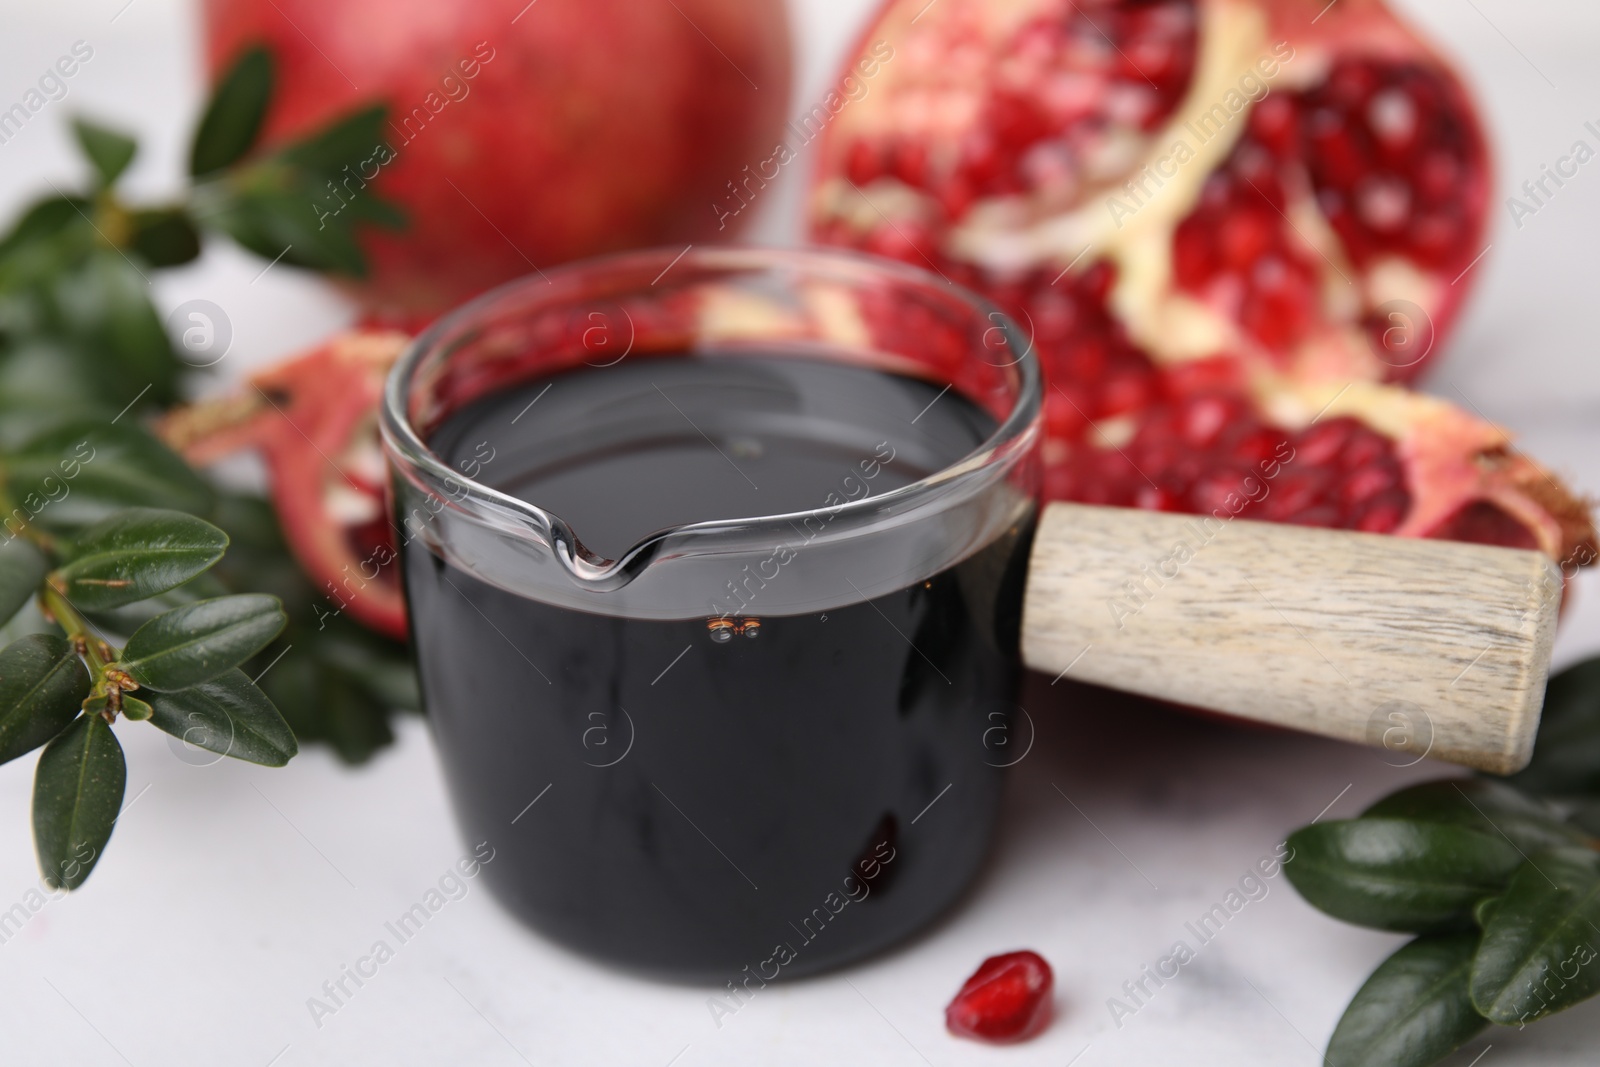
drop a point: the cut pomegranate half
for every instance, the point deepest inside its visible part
(1220, 253)
(313, 420)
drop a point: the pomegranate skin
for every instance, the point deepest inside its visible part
(538, 132)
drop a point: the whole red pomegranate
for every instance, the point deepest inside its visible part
(524, 133)
(1224, 223)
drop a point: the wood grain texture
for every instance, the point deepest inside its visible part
(1422, 647)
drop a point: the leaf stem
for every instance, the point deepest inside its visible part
(97, 652)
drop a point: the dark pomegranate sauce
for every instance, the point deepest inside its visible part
(711, 780)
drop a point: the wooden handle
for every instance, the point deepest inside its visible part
(1423, 647)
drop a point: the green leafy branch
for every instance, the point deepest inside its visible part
(78, 333)
(104, 532)
(64, 691)
(80, 342)
(1501, 886)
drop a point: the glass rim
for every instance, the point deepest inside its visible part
(406, 448)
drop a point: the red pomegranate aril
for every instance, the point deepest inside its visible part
(1487, 523)
(1322, 441)
(1383, 512)
(1363, 449)
(1007, 999)
(1192, 259)
(1257, 444)
(1393, 118)
(1155, 498)
(1123, 390)
(1340, 161)
(863, 165)
(1438, 175)
(1245, 237)
(1205, 418)
(1221, 492)
(1392, 133)
(1369, 482)
(1293, 492)
(1272, 124)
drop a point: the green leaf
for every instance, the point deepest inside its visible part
(323, 705)
(342, 683)
(164, 237)
(305, 203)
(81, 473)
(77, 795)
(135, 710)
(102, 305)
(233, 117)
(198, 642)
(1539, 948)
(287, 226)
(127, 619)
(1396, 874)
(227, 715)
(138, 553)
(109, 151)
(22, 568)
(42, 686)
(345, 142)
(375, 663)
(1566, 756)
(1414, 1010)
(1483, 805)
(45, 219)
(42, 388)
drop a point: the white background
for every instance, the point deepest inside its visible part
(230, 893)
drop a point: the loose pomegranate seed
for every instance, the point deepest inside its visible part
(1007, 999)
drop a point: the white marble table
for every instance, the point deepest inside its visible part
(231, 893)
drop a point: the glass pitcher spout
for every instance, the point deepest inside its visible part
(738, 312)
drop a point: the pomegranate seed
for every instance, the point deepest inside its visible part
(1363, 449)
(1319, 443)
(1211, 492)
(1486, 523)
(1245, 237)
(1369, 482)
(1393, 117)
(1384, 512)
(862, 163)
(1383, 202)
(1392, 133)
(1273, 124)
(1205, 418)
(1256, 445)
(1191, 255)
(1155, 498)
(1007, 999)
